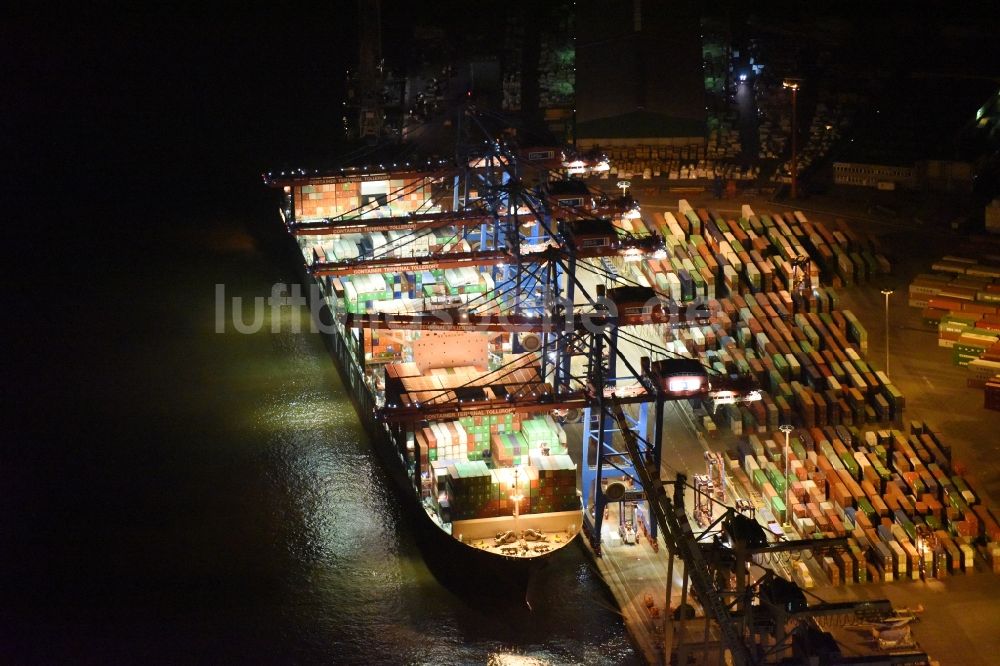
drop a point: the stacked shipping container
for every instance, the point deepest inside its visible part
(873, 486)
(323, 200)
(499, 443)
(962, 300)
(894, 495)
(470, 490)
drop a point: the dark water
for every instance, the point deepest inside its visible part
(185, 496)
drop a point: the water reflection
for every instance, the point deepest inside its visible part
(345, 581)
(369, 591)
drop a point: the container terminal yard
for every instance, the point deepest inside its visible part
(649, 332)
(696, 392)
(740, 461)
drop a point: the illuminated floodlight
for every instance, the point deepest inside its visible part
(602, 166)
(724, 398)
(685, 384)
(753, 396)
(660, 254)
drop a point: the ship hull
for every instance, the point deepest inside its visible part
(462, 568)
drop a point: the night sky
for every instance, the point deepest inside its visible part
(145, 95)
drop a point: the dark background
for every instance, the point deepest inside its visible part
(124, 128)
(120, 124)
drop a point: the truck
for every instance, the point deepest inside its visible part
(626, 523)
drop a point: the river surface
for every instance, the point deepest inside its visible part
(190, 496)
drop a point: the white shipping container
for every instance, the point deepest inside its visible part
(899, 559)
(375, 187)
(675, 286)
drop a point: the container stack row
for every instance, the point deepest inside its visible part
(724, 143)
(956, 279)
(759, 247)
(471, 489)
(497, 443)
(962, 300)
(969, 333)
(955, 293)
(894, 495)
(456, 441)
(556, 490)
(364, 293)
(506, 440)
(536, 437)
(690, 162)
(808, 365)
(326, 200)
(716, 257)
(939, 300)
(845, 257)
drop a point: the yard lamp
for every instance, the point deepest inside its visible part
(787, 429)
(793, 85)
(887, 293)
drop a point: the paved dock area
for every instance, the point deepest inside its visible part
(959, 624)
(631, 572)
(637, 573)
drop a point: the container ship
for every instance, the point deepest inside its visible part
(431, 303)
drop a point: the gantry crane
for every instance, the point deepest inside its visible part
(592, 333)
(535, 269)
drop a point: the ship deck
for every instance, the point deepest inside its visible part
(555, 530)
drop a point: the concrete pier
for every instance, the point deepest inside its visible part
(632, 572)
